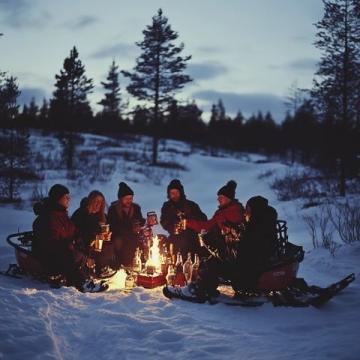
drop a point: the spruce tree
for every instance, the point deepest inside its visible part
(14, 145)
(69, 108)
(112, 101)
(338, 77)
(158, 72)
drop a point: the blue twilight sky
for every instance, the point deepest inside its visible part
(247, 52)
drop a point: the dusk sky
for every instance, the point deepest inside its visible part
(247, 52)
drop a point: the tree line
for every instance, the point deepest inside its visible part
(321, 127)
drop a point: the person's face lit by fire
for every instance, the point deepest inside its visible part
(64, 201)
(223, 200)
(126, 201)
(174, 195)
(95, 205)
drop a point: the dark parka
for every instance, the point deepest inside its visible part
(57, 244)
(88, 226)
(258, 242)
(121, 224)
(185, 241)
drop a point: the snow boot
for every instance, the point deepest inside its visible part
(189, 292)
(93, 287)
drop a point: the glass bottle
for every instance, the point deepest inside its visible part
(187, 268)
(180, 279)
(170, 277)
(137, 264)
(195, 268)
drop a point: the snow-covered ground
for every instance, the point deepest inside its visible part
(37, 322)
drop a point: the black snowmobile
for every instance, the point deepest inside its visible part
(278, 283)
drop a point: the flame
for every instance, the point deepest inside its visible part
(155, 257)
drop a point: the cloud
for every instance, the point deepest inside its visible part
(248, 104)
(121, 49)
(18, 14)
(27, 93)
(206, 71)
(208, 49)
(306, 64)
(82, 22)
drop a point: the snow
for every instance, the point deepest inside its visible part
(38, 322)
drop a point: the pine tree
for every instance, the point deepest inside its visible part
(44, 114)
(69, 108)
(158, 73)
(112, 101)
(14, 148)
(9, 92)
(338, 76)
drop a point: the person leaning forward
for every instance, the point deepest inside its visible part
(125, 218)
(177, 207)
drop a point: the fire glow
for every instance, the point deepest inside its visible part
(154, 259)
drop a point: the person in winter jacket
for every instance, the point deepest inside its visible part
(57, 244)
(125, 219)
(88, 218)
(255, 246)
(177, 207)
(230, 210)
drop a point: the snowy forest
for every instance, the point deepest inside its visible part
(143, 133)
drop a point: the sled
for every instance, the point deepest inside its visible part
(28, 264)
(278, 284)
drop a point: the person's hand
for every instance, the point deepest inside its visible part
(90, 263)
(107, 236)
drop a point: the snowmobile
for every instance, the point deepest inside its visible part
(278, 283)
(28, 264)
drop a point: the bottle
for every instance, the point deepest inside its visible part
(164, 263)
(195, 268)
(171, 248)
(137, 265)
(180, 279)
(170, 277)
(129, 281)
(188, 268)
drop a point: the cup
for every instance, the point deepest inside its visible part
(183, 224)
(151, 218)
(98, 243)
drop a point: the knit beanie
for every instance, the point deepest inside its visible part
(176, 184)
(57, 191)
(124, 190)
(228, 190)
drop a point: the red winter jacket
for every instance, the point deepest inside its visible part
(57, 244)
(232, 212)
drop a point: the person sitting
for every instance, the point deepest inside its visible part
(177, 207)
(257, 244)
(88, 218)
(125, 219)
(254, 246)
(230, 210)
(57, 244)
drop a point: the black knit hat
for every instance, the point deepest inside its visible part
(124, 190)
(228, 190)
(257, 203)
(57, 191)
(176, 184)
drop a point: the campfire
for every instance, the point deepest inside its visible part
(153, 264)
(152, 277)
